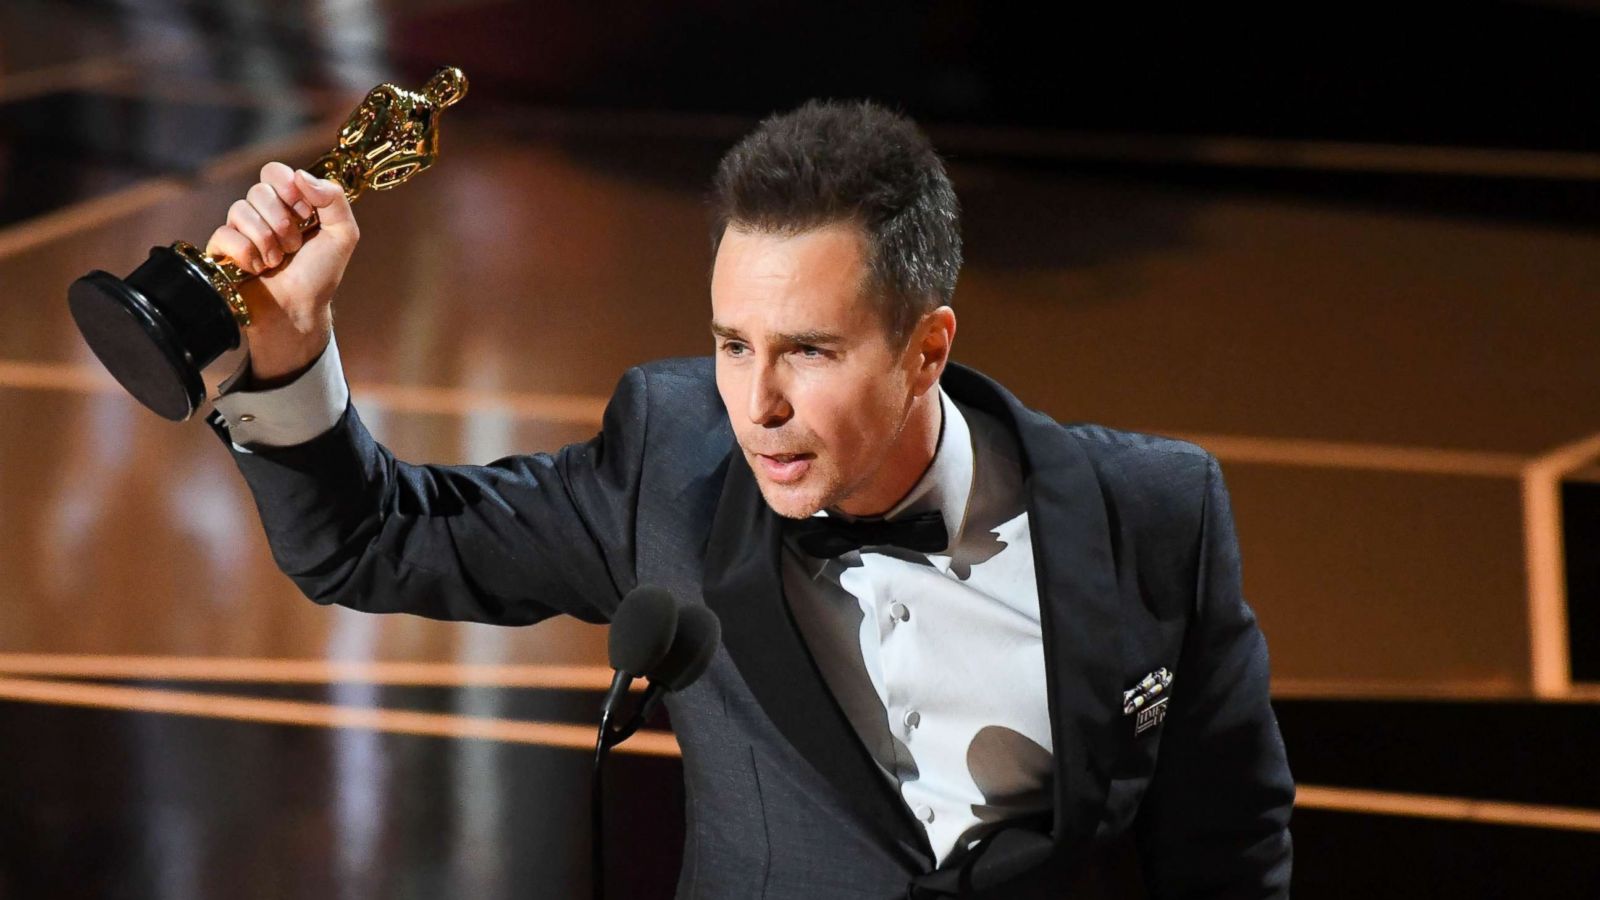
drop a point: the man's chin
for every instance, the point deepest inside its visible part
(787, 501)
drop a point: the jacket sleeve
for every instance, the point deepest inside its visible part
(510, 543)
(1215, 820)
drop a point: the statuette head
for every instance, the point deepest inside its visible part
(392, 136)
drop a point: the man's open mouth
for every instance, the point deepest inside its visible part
(784, 467)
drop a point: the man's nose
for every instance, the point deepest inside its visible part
(769, 404)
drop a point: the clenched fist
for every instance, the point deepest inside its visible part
(291, 304)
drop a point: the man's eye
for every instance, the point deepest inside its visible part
(733, 348)
(813, 352)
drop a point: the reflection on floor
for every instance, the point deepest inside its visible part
(124, 804)
(130, 805)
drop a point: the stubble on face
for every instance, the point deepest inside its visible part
(804, 365)
(826, 486)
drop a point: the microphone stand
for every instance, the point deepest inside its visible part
(604, 741)
(650, 643)
(607, 738)
(652, 700)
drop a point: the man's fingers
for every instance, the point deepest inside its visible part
(243, 218)
(228, 242)
(277, 216)
(282, 179)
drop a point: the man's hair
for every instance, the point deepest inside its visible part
(829, 162)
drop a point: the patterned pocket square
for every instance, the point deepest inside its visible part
(1147, 701)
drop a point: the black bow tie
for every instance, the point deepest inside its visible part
(829, 536)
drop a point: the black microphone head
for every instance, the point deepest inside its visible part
(642, 630)
(699, 632)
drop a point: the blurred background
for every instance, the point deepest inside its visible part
(1352, 249)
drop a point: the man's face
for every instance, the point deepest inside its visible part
(815, 394)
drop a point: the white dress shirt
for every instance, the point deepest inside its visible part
(937, 660)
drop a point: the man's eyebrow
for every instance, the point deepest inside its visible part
(812, 337)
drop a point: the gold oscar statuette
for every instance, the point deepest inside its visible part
(174, 315)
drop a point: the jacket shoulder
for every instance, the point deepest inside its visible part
(691, 368)
(1124, 461)
(1155, 486)
(683, 388)
(1136, 448)
(684, 416)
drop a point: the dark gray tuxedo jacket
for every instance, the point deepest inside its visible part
(1137, 567)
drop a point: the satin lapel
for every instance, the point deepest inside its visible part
(1078, 603)
(744, 586)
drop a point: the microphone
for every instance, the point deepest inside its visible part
(641, 636)
(654, 636)
(699, 632)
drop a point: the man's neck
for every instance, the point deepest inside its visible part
(908, 460)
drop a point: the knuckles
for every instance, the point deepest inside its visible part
(262, 194)
(227, 241)
(262, 211)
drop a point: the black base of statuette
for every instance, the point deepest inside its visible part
(156, 329)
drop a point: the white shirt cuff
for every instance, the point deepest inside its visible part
(287, 415)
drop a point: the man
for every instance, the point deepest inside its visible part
(967, 650)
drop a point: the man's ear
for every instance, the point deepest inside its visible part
(930, 346)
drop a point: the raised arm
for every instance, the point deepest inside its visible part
(511, 542)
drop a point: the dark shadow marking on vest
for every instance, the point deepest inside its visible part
(905, 764)
(1011, 770)
(975, 552)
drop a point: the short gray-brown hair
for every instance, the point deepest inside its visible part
(829, 162)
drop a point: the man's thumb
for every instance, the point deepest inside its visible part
(333, 210)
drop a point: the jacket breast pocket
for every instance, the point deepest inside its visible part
(1138, 746)
(1130, 778)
